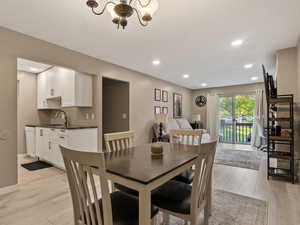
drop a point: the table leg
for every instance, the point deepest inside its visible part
(144, 207)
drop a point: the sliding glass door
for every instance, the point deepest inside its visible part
(236, 118)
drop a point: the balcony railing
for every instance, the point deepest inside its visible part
(239, 134)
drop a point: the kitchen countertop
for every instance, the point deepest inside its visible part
(58, 126)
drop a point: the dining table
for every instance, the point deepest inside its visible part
(137, 169)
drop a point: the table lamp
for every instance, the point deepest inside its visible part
(196, 118)
(160, 119)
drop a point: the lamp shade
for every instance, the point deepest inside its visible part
(196, 117)
(160, 118)
(146, 8)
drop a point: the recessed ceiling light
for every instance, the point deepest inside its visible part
(248, 66)
(185, 76)
(254, 78)
(237, 43)
(156, 62)
(33, 69)
(204, 84)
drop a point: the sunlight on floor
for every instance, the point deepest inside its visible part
(236, 147)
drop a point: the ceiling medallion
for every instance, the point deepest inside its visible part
(121, 10)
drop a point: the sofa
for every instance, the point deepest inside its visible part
(175, 124)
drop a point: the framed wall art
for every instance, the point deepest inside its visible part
(177, 105)
(157, 110)
(165, 96)
(157, 94)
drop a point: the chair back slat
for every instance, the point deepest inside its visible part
(119, 141)
(86, 191)
(188, 137)
(203, 172)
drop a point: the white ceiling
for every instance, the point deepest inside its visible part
(31, 66)
(191, 36)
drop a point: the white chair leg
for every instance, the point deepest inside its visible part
(166, 219)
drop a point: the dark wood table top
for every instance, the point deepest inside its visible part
(137, 163)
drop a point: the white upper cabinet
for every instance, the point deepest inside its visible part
(54, 85)
(78, 89)
(61, 87)
(42, 91)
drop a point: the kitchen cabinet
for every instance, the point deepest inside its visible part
(54, 84)
(42, 91)
(48, 141)
(42, 143)
(61, 87)
(78, 88)
(30, 141)
(57, 137)
(83, 139)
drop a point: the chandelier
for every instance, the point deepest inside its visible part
(121, 10)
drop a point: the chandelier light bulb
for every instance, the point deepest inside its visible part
(111, 10)
(147, 9)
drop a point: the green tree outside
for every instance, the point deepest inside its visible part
(244, 106)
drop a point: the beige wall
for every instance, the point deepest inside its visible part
(286, 74)
(14, 45)
(27, 112)
(298, 66)
(288, 83)
(239, 89)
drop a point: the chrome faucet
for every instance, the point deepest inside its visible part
(65, 116)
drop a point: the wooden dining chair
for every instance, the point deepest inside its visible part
(92, 206)
(188, 137)
(186, 201)
(117, 142)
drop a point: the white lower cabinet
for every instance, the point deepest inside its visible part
(42, 143)
(49, 140)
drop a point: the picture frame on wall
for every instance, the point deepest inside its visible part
(157, 110)
(165, 96)
(165, 110)
(177, 105)
(157, 94)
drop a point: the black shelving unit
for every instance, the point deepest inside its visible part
(274, 104)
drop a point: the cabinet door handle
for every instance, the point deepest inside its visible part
(49, 145)
(62, 137)
(41, 133)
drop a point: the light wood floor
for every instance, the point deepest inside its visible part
(236, 147)
(42, 197)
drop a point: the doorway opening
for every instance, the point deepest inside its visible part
(236, 119)
(115, 105)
